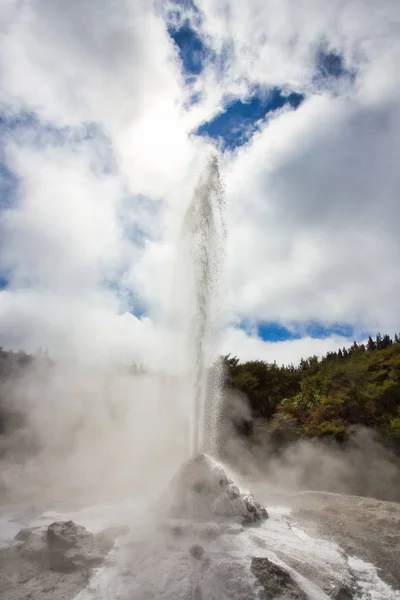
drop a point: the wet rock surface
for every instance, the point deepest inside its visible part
(70, 547)
(277, 583)
(202, 490)
(366, 528)
(363, 527)
(57, 562)
(344, 593)
(202, 558)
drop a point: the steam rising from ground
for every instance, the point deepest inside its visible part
(362, 465)
(92, 432)
(103, 431)
(80, 433)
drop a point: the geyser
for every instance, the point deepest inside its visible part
(201, 489)
(202, 249)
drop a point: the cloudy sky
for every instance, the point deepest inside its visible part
(108, 109)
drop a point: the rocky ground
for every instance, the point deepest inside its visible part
(207, 539)
(363, 527)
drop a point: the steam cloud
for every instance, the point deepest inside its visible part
(363, 465)
(79, 433)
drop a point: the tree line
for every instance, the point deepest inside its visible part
(324, 397)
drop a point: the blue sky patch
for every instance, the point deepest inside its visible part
(317, 330)
(192, 50)
(240, 119)
(271, 331)
(274, 332)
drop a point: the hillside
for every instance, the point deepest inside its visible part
(325, 397)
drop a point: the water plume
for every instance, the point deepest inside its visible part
(202, 248)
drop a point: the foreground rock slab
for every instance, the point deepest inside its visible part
(276, 583)
(54, 563)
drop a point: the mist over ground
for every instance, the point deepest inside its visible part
(71, 431)
(362, 464)
(75, 433)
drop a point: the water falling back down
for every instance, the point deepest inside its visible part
(203, 247)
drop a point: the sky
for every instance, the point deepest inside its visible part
(108, 111)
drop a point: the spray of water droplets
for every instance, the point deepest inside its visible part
(203, 234)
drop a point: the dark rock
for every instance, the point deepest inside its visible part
(276, 582)
(343, 593)
(72, 547)
(196, 551)
(66, 534)
(66, 547)
(233, 491)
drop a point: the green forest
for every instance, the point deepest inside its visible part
(323, 398)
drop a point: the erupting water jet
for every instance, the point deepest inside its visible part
(203, 248)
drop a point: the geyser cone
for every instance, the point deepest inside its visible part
(201, 490)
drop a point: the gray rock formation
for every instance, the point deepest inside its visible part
(67, 547)
(201, 490)
(52, 564)
(71, 546)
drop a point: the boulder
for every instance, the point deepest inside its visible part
(277, 584)
(196, 551)
(67, 547)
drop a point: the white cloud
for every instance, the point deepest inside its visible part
(87, 329)
(276, 44)
(64, 233)
(312, 199)
(87, 61)
(251, 347)
(313, 209)
(111, 63)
